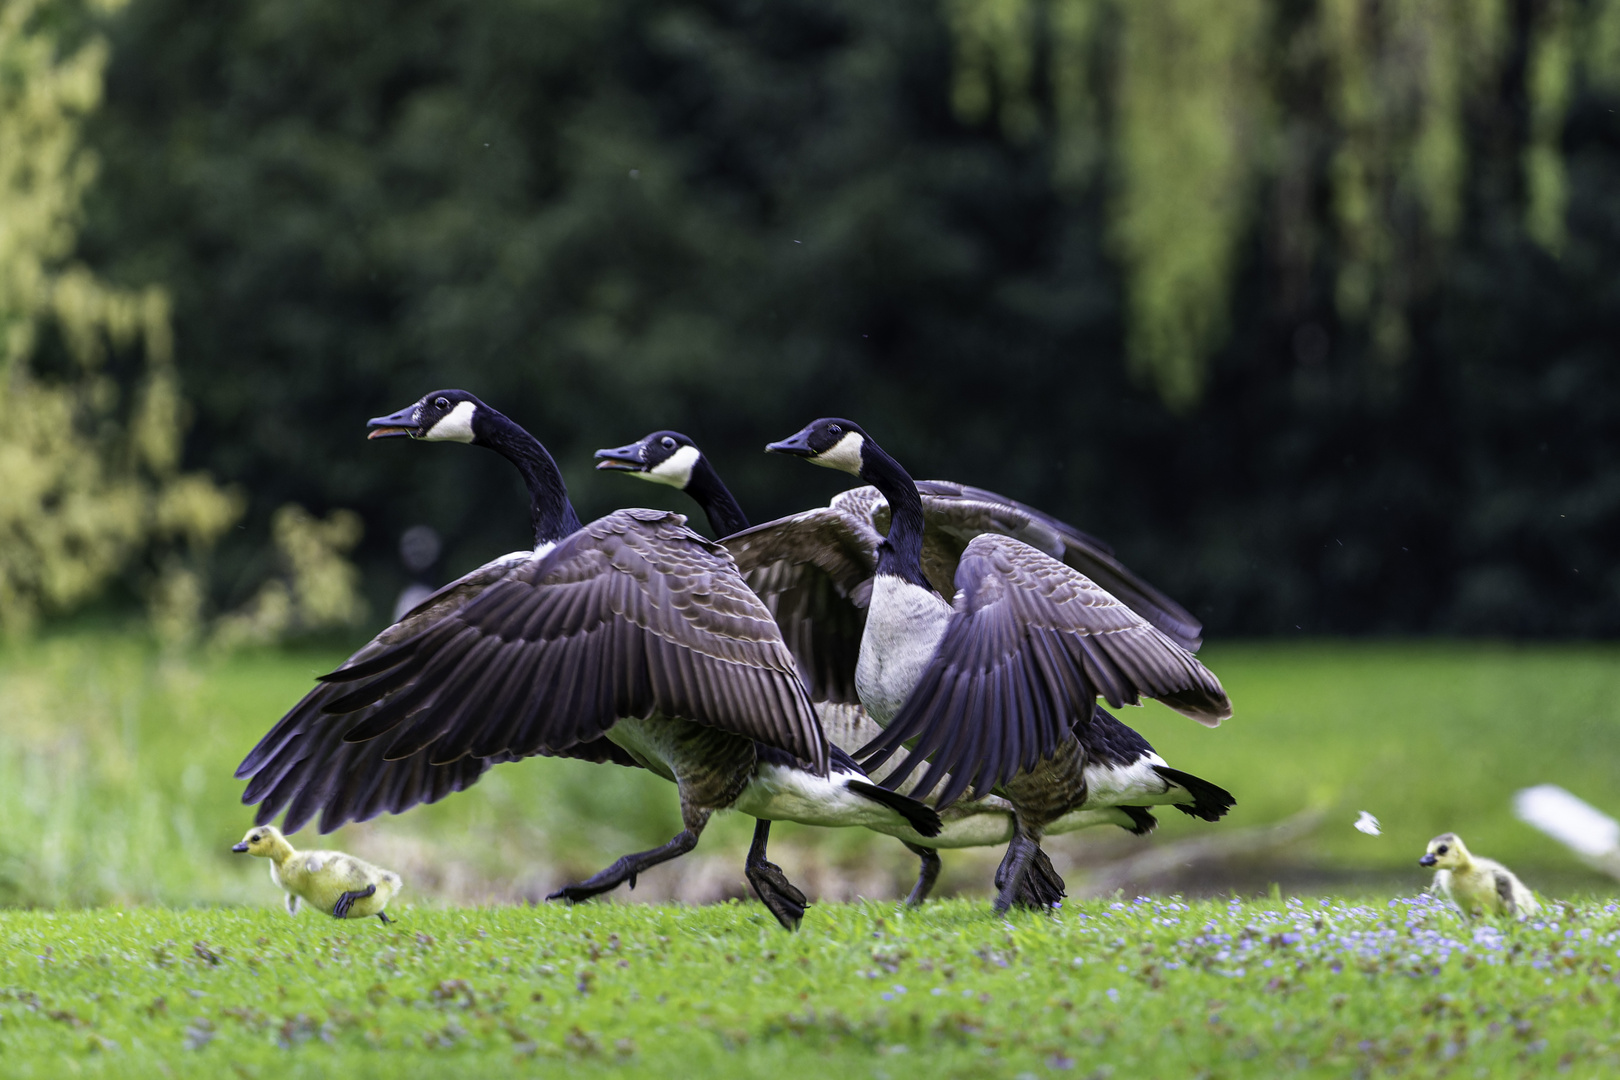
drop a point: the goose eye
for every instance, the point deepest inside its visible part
(1441, 850)
(834, 430)
(669, 443)
(442, 403)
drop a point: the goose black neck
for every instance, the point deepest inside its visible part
(550, 511)
(710, 492)
(900, 553)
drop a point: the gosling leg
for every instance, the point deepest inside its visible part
(927, 874)
(340, 910)
(630, 866)
(384, 917)
(770, 884)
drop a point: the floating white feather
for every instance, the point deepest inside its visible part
(1368, 824)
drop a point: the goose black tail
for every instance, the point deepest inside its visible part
(920, 817)
(1210, 801)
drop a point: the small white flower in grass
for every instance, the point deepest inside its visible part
(1368, 824)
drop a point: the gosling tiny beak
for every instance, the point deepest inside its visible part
(394, 424)
(1427, 860)
(239, 847)
(796, 445)
(621, 459)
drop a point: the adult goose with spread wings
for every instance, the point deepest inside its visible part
(631, 639)
(987, 687)
(1123, 775)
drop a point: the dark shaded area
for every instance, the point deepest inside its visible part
(728, 217)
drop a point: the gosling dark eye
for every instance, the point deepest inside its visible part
(442, 403)
(1441, 850)
(669, 443)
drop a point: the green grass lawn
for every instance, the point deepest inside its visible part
(116, 786)
(1150, 988)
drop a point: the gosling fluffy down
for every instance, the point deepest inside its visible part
(330, 881)
(1477, 886)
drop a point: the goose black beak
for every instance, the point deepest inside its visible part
(239, 848)
(1427, 860)
(795, 445)
(622, 459)
(395, 424)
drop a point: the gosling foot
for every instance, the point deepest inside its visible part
(340, 910)
(384, 917)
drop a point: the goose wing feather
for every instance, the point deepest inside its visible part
(955, 513)
(1030, 646)
(814, 572)
(633, 615)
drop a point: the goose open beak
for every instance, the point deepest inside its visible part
(622, 459)
(395, 424)
(797, 445)
(239, 848)
(1427, 860)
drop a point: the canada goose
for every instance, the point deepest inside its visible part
(1477, 886)
(1123, 774)
(631, 639)
(992, 684)
(340, 885)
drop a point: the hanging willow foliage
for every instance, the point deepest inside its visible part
(90, 474)
(1176, 106)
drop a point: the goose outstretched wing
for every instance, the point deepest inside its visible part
(633, 615)
(955, 513)
(311, 770)
(814, 572)
(1031, 645)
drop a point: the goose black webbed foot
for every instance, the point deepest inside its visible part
(1026, 877)
(1042, 889)
(778, 894)
(927, 874)
(340, 910)
(626, 870)
(774, 890)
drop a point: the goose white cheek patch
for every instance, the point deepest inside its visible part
(454, 426)
(844, 455)
(675, 470)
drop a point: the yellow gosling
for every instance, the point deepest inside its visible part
(330, 881)
(1477, 886)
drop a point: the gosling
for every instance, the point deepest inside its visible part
(1477, 886)
(340, 885)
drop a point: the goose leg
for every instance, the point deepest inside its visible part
(927, 874)
(629, 867)
(383, 915)
(340, 910)
(770, 884)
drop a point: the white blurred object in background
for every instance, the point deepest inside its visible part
(1583, 828)
(1368, 824)
(419, 548)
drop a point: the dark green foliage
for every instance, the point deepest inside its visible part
(728, 217)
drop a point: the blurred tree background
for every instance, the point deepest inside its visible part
(1308, 306)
